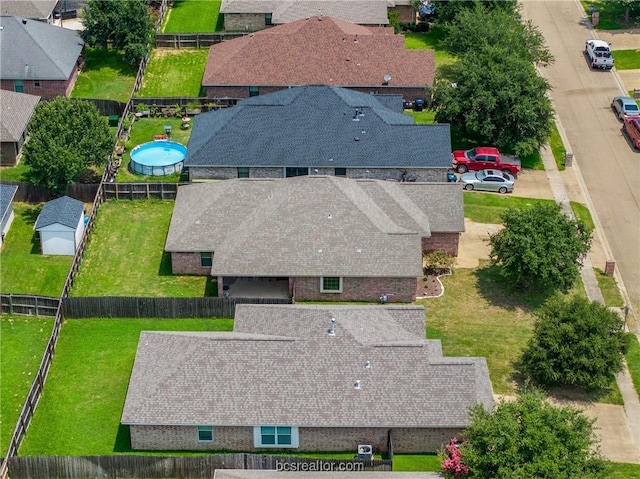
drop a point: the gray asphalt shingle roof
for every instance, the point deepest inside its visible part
(7, 192)
(310, 225)
(35, 9)
(64, 210)
(33, 50)
(303, 377)
(15, 112)
(314, 126)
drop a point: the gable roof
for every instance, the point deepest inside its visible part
(64, 210)
(302, 376)
(32, 50)
(311, 225)
(319, 50)
(34, 9)
(7, 192)
(15, 112)
(366, 12)
(313, 126)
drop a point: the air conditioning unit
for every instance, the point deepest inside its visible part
(365, 452)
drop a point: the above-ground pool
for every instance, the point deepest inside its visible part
(158, 158)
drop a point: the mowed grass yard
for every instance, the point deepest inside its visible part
(125, 255)
(23, 270)
(105, 75)
(430, 41)
(193, 16)
(79, 412)
(173, 72)
(22, 343)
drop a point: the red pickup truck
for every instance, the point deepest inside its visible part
(485, 158)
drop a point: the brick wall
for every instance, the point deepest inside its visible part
(47, 88)
(242, 91)
(406, 13)
(8, 153)
(245, 22)
(188, 263)
(402, 290)
(405, 440)
(228, 173)
(447, 242)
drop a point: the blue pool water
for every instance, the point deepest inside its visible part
(158, 158)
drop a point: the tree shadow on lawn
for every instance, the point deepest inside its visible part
(30, 216)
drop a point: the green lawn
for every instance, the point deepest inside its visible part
(609, 288)
(22, 343)
(105, 75)
(557, 147)
(611, 14)
(23, 270)
(621, 470)
(125, 255)
(79, 412)
(627, 59)
(14, 173)
(581, 212)
(429, 40)
(422, 117)
(174, 73)
(193, 16)
(143, 130)
(488, 207)
(532, 161)
(633, 360)
(416, 462)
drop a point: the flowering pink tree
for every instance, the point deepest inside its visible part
(452, 465)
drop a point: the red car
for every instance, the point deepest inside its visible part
(485, 158)
(632, 129)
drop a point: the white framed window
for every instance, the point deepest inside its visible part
(331, 284)
(206, 260)
(205, 433)
(275, 436)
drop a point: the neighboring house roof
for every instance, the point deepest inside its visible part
(7, 192)
(282, 368)
(271, 474)
(15, 112)
(32, 50)
(312, 225)
(64, 210)
(319, 50)
(33, 9)
(367, 12)
(313, 126)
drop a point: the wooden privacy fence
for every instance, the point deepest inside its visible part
(175, 467)
(26, 305)
(205, 103)
(127, 307)
(28, 193)
(193, 40)
(141, 191)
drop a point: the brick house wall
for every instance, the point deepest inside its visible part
(406, 13)
(188, 263)
(242, 91)
(8, 153)
(402, 290)
(447, 242)
(405, 440)
(244, 22)
(45, 88)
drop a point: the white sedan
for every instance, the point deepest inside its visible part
(488, 180)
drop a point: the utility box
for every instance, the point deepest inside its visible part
(113, 120)
(595, 18)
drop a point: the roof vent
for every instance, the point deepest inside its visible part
(386, 79)
(332, 329)
(367, 364)
(24, 21)
(329, 217)
(355, 40)
(356, 385)
(357, 138)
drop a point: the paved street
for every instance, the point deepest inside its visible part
(605, 160)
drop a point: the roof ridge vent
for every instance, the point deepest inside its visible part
(332, 329)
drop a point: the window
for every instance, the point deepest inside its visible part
(340, 172)
(267, 19)
(206, 260)
(243, 172)
(275, 436)
(331, 284)
(254, 91)
(36, 83)
(205, 433)
(291, 171)
(18, 86)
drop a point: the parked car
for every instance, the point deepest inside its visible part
(488, 180)
(484, 158)
(625, 107)
(599, 54)
(632, 129)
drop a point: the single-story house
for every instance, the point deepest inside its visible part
(318, 50)
(7, 193)
(302, 377)
(317, 129)
(38, 58)
(327, 238)
(15, 112)
(60, 226)
(40, 10)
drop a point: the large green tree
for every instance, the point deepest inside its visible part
(66, 136)
(126, 24)
(540, 247)
(497, 97)
(529, 438)
(575, 342)
(448, 10)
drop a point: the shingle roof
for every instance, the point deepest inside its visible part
(7, 192)
(304, 377)
(35, 9)
(272, 474)
(33, 50)
(319, 50)
(64, 210)
(15, 112)
(310, 225)
(313, 126)
(366, 12)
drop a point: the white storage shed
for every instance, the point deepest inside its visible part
(60, 226)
